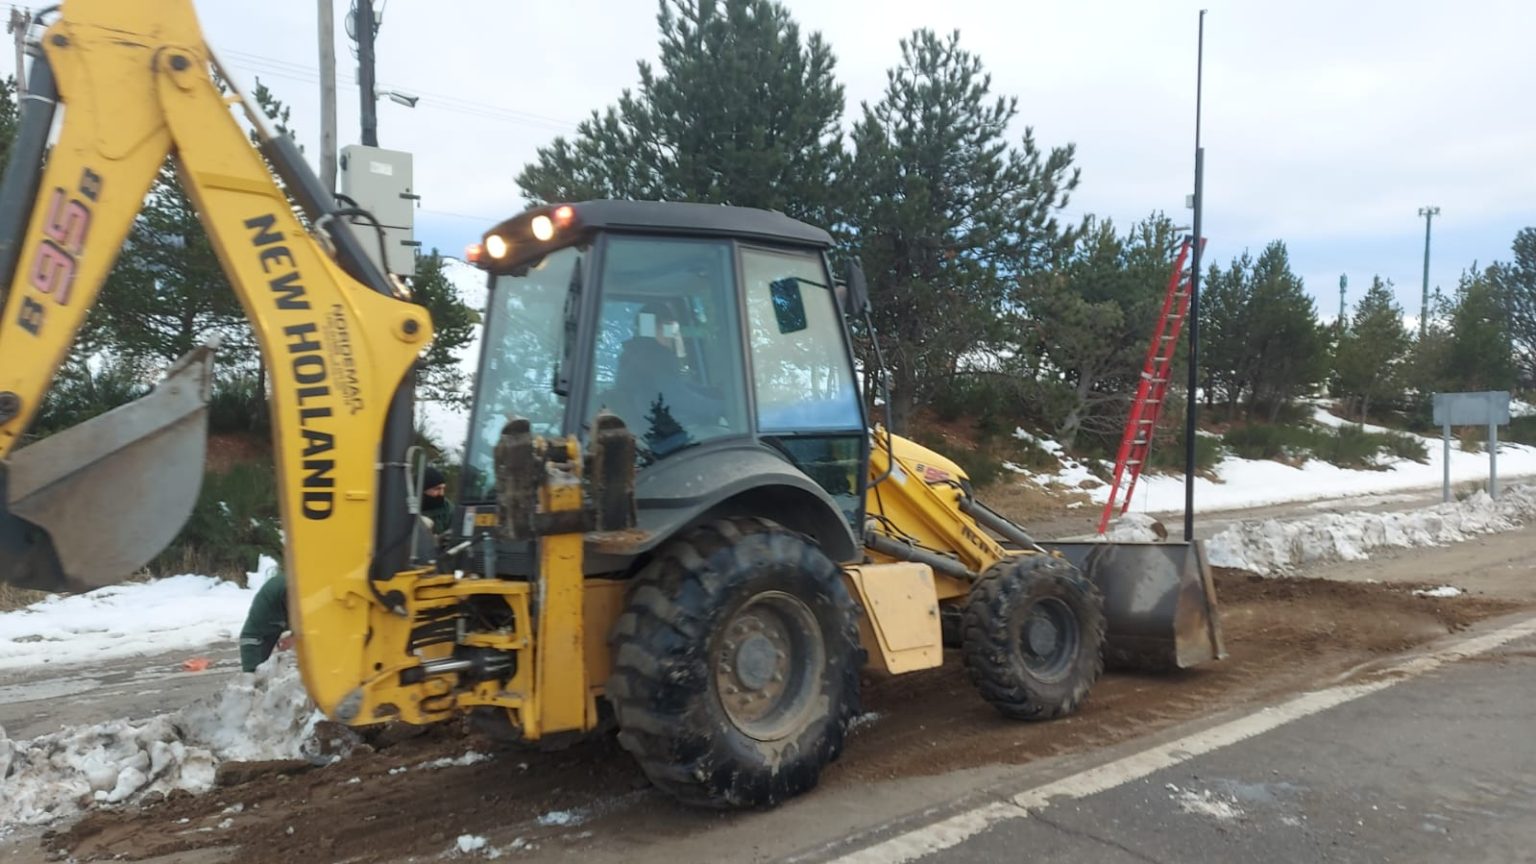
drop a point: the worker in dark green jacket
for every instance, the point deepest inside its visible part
(267, 620)
(265, 623)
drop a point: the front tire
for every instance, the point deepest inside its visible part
(736, 665)
(1034, 637)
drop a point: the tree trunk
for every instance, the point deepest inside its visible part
(903, 399)
(1073, 422)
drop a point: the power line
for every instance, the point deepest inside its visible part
(308, 74)
(466, 216)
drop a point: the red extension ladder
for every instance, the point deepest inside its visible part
(1136, 443)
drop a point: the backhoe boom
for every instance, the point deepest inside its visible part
(134, 82)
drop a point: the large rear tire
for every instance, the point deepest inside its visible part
(1034, 637)
(736, 665)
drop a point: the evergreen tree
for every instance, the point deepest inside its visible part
(1093, 316)
(1369, 363)
(1429, 356)
(1479, 356)
(946, 215)
(10, 117)
(1515, 284)
(1262, 345)
(453, 328)
(742, 111)
(1224, 366)
(1288, 344)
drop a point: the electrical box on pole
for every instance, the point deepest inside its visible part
(379, 181)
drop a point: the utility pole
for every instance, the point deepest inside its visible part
(1193, 407)
(328, 95)
(20, 23)
(1429, 213)
(368, 98)
(1343, 283)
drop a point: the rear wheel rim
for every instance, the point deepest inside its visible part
(1048, 639)
(768, 661)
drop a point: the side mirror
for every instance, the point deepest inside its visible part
(855, 295)
(788, 304)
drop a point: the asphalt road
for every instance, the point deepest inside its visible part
(46, 698)
(1437, 768)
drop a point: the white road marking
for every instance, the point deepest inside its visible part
(935, 837)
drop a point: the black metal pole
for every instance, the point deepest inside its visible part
(365, 81)
(1194, 307)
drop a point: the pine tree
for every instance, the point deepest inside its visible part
(1479, 355)
(1368, 365)
(453, 328)
(741, 111)
(1515, 283)
(1092, 316)
(10, 117)
(946, 214)
(1262, 345)
(1224, 363)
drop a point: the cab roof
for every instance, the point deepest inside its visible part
(710, 220)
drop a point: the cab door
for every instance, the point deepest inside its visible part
(805, 398)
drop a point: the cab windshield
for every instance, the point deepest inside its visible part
(522, 350)
(667, 355)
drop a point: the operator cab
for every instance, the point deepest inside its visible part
(704, 328)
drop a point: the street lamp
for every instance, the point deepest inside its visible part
(397, 97)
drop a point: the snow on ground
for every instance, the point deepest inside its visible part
(1272, 546)
(1441, 591)
(1204, 802)
(1259, 482)
(1135, 528)
(177, 613)
(468, 843)
(265, 715)
(563, 818)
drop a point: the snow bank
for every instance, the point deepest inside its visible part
(1242, 483)
(1135, 528)
(261, 716)
(177, 613)
(1272, 546)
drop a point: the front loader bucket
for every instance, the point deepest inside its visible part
(93, 504)
(1159, 602)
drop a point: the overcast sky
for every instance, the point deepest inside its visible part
(1326, 124)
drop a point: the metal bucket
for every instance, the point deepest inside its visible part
(1159, 602)
(93, 504)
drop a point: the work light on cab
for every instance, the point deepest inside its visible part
(543, 228)
(497, 246)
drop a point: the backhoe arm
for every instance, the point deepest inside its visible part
(134, 83)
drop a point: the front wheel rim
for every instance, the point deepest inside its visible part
(1048, 639)
(768, 661)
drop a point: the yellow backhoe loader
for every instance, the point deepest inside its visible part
(675, 518)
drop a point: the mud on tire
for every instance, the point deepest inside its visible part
(1034, 637)
(736, 665)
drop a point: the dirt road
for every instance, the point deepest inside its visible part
(927, 739)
